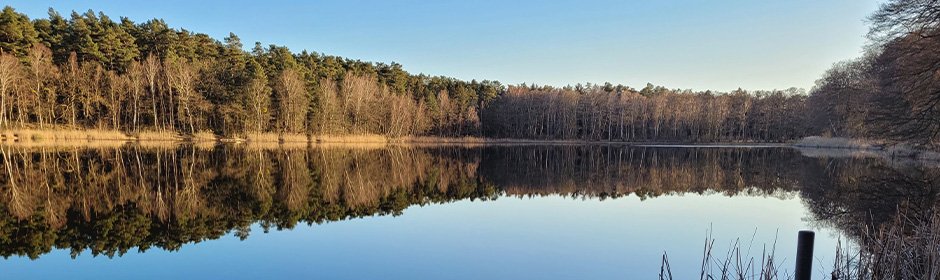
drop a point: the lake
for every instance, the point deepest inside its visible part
(432, 212)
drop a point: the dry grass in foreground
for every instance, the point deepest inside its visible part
(734, 265)
(907, 248)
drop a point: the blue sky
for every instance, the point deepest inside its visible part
(697, 44)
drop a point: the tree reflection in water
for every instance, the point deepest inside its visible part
(109, 200)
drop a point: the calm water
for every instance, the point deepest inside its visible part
(504, 212)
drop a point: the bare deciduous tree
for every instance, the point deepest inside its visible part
(292, 102)
(10, 74)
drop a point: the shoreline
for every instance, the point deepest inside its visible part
(813, 146)
(818, 146)
(71, 137)
(92, 137)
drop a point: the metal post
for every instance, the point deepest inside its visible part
(804, 255)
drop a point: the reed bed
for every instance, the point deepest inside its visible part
(22, 135)
(838, 143)
(898, 153)
(432, 139)
(57, 145)
(37, 135)
(275, 145)
(907, 248)
(157, 136)
(293, 138)
(736, 264)
(359, 138)
(203, 136)
(267, 137)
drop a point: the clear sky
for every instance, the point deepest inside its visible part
(699, 44)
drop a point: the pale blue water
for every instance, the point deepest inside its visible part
(529, 212)
(509, 238)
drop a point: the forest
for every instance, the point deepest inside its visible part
(893, 91)
(89, 71)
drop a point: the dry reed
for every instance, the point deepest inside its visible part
(733, 265)
(906, 248)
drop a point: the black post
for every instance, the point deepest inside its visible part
(804, 255)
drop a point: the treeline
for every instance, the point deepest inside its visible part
(893, 91)
(88, 71)
(618, 113)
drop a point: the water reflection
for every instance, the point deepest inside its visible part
(858, 195)
(109, 200)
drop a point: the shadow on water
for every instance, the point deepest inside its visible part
(108, 201)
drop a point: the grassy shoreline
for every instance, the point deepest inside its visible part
(74, 136)
(849, 147)
(98, 137)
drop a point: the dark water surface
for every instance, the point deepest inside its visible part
(501, 212)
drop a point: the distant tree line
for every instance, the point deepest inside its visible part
(618, 113)
(893, 91)
(88, 71)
